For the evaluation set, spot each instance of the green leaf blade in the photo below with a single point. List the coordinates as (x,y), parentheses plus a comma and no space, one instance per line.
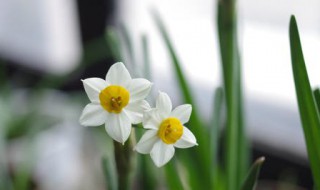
(236,153)
(251,179)
(307,106)
(316,94)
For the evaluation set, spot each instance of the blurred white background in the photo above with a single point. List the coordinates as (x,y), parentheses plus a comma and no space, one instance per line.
(42,34)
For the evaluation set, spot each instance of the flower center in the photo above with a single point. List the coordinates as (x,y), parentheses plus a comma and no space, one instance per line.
(170,130)
(114,98)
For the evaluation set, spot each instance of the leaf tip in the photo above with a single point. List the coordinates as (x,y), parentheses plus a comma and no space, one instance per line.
(293,22)
(260,160)
(292,19)
(293,31)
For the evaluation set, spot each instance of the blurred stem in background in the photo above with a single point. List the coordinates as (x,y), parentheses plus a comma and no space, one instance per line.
(236,141)
(129,46)
(113,42)
(2,74)
(146,58)
(23,173)
(5,181)
(4,83)
(214,134)
(109,170)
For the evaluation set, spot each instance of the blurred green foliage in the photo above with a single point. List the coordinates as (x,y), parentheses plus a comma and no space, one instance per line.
(236,154)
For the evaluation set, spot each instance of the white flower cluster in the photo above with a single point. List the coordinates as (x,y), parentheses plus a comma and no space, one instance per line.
(118,102)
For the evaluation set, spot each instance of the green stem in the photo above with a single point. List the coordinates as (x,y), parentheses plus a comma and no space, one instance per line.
(124,158)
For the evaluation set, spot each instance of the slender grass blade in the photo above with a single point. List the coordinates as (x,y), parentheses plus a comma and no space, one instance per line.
(307,104)
(251,179)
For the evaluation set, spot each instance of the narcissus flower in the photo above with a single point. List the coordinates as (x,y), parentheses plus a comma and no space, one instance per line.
(116,102)
(166,130)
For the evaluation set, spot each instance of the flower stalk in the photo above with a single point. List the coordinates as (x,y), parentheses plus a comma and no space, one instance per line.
(125,158)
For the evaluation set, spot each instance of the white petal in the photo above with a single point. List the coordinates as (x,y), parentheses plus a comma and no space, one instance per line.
(93,115)
(135,110)
(164,104)
(93,87)
(118,75)
(161,153)
(151,119)
(182,112)
(146,142)
(118,126)
(139,89)
(187,139)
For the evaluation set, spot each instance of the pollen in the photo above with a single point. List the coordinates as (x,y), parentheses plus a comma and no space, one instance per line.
(114,98)
(170,130)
